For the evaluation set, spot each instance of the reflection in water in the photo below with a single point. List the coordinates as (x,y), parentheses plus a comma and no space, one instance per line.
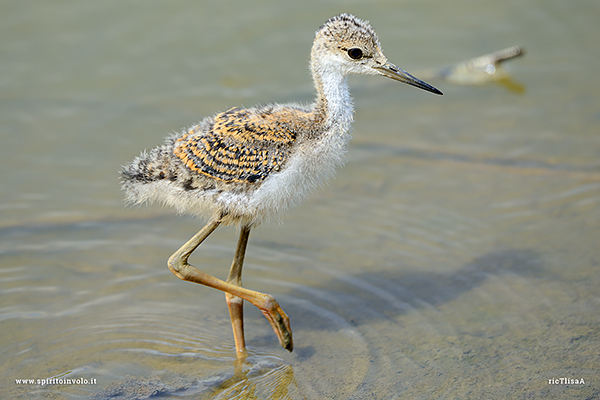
(266,381)
(257,378)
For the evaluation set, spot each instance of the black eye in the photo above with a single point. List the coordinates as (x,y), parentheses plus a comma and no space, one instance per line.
(355,53)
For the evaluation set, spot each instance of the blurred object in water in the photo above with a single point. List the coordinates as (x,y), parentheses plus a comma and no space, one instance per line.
(481,70)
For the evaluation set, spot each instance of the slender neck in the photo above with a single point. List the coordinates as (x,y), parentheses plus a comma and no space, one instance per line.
(333,106)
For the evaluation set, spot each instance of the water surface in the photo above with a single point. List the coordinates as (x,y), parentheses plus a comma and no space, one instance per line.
(455,255)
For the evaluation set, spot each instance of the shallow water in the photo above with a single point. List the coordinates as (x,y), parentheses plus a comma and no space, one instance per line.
(454,256)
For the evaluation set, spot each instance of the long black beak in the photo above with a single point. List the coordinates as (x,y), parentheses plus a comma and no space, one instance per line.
(398,74)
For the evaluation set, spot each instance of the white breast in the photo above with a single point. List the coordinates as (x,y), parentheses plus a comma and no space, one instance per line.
(313,161)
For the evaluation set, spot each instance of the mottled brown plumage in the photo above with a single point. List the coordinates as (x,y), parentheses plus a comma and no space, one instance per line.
(244,165)
(242,145)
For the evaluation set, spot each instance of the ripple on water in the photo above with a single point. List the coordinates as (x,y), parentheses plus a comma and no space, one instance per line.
(124,323)
(365,319)
(127,343)
(139,344)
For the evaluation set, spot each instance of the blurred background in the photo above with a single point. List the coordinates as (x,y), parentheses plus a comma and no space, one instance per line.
(455,255)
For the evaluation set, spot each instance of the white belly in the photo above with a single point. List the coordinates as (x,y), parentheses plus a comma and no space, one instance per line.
(312,163)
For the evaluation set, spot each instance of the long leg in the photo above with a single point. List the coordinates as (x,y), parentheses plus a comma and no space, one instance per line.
(234,303)
(178,264)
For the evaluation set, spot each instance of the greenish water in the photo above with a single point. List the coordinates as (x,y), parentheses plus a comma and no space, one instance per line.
(454,256)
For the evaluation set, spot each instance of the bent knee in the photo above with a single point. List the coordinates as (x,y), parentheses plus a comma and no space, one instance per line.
(176,265)
(269,303)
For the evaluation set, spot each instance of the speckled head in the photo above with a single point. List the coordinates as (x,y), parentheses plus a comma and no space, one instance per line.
(344,31)
(346,44)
